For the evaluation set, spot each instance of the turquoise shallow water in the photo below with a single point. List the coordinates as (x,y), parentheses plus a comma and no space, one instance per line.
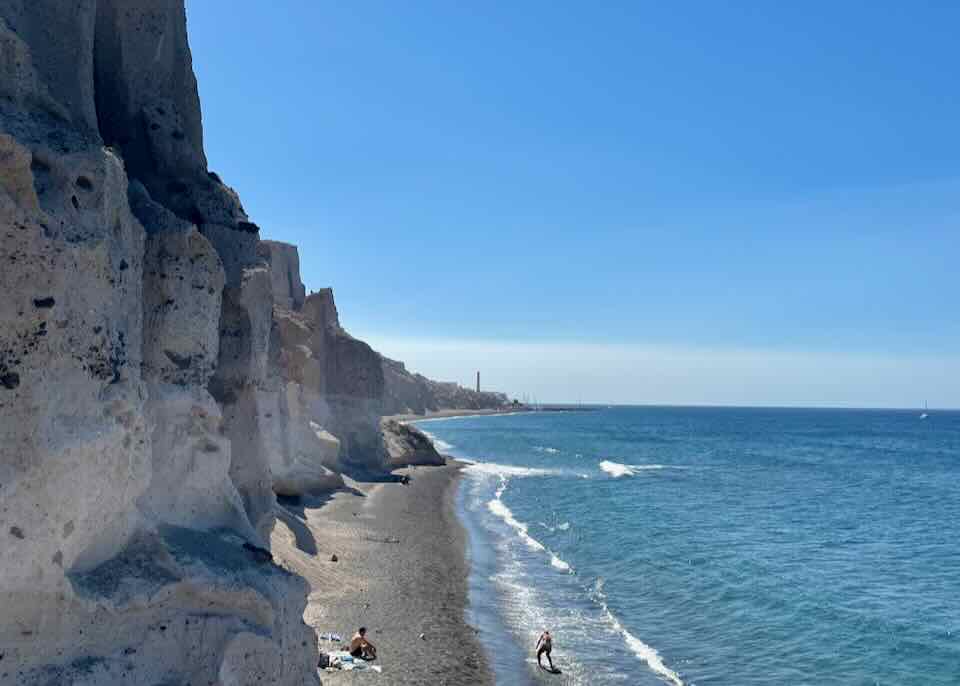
(716,546)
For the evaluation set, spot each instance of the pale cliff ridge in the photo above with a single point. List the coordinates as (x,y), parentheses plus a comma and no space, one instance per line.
(163,373)
(342,388)
(135,493)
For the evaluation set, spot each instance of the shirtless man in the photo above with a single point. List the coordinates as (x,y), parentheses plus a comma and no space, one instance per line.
(545,645)
(361,647)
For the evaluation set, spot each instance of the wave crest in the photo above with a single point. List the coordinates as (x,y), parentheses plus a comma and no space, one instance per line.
(617,469)
(509,470)
(500,509)
(643,651)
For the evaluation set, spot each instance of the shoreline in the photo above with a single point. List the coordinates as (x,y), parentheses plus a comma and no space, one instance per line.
(490,412)
(402,570)
(452,414)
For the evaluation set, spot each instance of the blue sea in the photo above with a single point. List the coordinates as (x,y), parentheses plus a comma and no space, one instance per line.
(705,546)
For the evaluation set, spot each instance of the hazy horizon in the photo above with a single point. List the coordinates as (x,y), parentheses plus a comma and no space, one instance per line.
(762,201)
(681,375)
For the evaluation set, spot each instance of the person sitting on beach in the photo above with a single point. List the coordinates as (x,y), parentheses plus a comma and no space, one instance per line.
(545,645)
(361,647)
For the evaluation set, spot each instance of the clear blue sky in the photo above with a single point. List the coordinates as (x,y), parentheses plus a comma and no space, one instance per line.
(638,182)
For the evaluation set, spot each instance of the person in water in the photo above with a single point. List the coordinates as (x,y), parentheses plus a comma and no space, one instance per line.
(545,645)
(361,647)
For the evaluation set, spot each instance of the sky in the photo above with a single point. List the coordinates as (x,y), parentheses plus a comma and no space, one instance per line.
(685,202)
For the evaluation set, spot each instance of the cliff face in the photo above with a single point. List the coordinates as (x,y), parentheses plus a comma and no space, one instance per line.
(134,337)
(325,388)
(342,388)
(162,373)
(407,393)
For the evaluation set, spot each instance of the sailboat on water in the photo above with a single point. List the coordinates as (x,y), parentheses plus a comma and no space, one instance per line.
(924,414)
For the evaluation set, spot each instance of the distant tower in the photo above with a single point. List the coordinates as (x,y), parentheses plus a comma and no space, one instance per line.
(478,382)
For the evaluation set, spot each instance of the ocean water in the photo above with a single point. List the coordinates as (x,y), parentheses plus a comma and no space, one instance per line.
(715,546)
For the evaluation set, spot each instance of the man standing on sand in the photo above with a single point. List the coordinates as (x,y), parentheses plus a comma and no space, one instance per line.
(545,645)
(361,647)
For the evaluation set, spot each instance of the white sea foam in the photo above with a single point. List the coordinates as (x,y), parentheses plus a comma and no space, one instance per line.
(617,469)
(438,443)
(499,508)
(507,470)
(643,651)
(546,449)
(559,527)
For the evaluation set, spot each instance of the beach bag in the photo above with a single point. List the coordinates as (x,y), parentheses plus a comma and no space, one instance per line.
(324,661)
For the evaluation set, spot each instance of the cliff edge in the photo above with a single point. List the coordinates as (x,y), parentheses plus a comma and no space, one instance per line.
(135,494)
(163,373)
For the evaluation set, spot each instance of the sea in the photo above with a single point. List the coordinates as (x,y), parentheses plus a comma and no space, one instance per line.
(696,546)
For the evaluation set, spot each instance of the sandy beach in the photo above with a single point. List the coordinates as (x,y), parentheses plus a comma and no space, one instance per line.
(401,571)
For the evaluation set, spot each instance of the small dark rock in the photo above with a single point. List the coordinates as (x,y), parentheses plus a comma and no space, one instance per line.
(10,380)
(334,558)
(44,303)
(261,555)
(16,532)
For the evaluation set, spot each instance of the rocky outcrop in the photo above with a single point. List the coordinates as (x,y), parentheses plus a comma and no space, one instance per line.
(135,484)
(406,445)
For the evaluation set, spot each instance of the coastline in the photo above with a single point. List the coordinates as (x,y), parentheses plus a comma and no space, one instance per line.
(500,411)
(401,570)
(451,414)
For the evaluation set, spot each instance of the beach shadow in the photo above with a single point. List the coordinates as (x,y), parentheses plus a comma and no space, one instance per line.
(367,477)
(292,511)
(296,522)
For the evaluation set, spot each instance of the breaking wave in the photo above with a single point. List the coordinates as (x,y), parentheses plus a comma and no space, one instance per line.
(617,469)
(500,509)
(508,470)
(643,651)
(438,443)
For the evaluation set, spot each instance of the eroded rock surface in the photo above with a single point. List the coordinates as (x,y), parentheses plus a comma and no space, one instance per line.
(135,491)
(326,387)
(163,373)
(407,445)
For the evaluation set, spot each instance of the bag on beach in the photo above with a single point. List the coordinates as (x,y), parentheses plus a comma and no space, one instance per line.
(324,661)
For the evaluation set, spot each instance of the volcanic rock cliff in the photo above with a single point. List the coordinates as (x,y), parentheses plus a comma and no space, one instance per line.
(162,372)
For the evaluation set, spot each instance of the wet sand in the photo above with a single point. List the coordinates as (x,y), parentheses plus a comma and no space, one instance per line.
(401,571)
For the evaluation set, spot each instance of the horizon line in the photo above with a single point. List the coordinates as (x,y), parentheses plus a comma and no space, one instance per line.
(746,406)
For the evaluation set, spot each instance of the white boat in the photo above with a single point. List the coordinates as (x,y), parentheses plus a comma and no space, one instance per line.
(924,414)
